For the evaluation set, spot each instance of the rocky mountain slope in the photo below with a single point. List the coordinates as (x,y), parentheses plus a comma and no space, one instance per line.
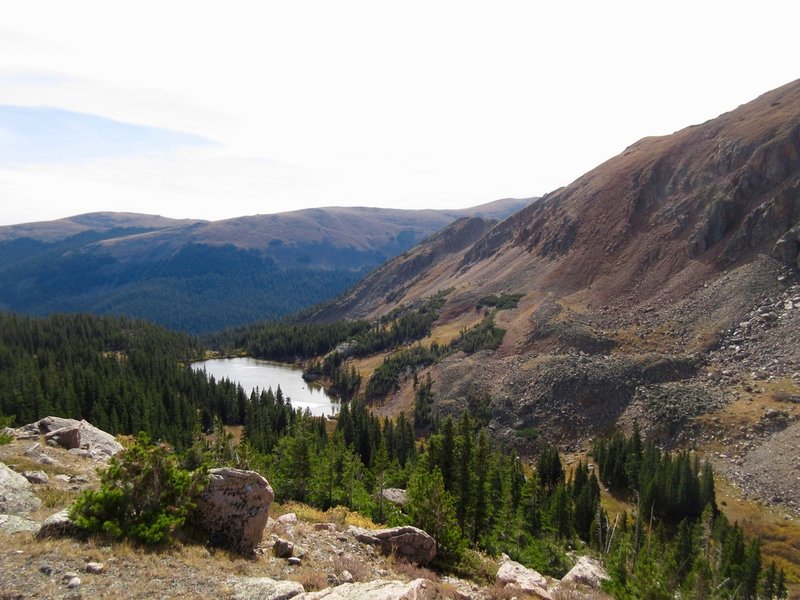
(199,275)
(658,288)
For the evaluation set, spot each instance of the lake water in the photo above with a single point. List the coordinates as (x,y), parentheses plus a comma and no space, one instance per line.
(263,374)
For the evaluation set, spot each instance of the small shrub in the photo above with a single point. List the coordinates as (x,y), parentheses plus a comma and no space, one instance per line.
(6,438)
(354,566)
(310,578)
(143,495)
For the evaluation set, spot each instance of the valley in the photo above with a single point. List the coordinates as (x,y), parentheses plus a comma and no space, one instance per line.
(622,351)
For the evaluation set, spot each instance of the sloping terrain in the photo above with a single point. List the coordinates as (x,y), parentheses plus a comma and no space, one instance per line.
(200,276)
(659,288)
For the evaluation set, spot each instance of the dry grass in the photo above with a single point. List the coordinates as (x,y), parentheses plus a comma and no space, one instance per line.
(310,578)
(367,365)
(352,565)
(410,571)
(339,515)
(780,538)
(53,497)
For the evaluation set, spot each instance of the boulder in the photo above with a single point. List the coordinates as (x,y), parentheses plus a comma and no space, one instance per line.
(73,434)
(395,496)
(409,543)
(419,589)
(513,574)
(586,571)
(66,437)
(283,548)
(57,525)
(16,495)
(287,519)
(15,524)
(234,508)
(36,476)
(264,588)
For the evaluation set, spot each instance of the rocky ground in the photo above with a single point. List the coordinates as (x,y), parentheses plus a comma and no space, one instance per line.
(304,553)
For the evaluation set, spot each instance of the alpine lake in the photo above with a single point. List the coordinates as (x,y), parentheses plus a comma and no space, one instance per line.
(253,373)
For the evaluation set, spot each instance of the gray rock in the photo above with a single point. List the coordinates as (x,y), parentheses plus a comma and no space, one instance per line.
(287,519)
(586,571)
(395,496)
(283,548)
(346,577)
(36,476)
(264,588)
(66,437)
(57,525)
(94,567)
(294,561)
(74,583)
(409,543)
(512,574)
(98,444)
(15,524)
(16,495)
(234,508)
(419,589)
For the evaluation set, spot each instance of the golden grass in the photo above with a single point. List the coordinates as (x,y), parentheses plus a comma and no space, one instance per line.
(55,498)
(780,538)
(339,515)
(365,366)
(312,579)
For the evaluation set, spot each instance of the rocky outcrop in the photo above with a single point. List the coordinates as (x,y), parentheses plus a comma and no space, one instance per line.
(15,524)
(16,495)
(419,589)
(395,496)
(264,588)
(234,508)
(514,575)
(588,572)
(71,434)
(409,543)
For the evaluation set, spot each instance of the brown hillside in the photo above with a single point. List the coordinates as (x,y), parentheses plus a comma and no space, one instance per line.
(659,288)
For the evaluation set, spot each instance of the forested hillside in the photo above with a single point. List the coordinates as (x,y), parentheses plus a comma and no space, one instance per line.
(202,276)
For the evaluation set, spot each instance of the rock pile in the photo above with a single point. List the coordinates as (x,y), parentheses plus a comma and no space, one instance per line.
(409,543)
(79,436)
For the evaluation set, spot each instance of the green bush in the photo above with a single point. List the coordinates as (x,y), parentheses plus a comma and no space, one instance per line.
(144,495)
(6,422)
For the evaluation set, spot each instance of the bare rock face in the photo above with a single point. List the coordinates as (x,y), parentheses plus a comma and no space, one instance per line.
(16,495)
(264,588)
(410,543)
(234,508)
(73,435)
(419,589)
(395,496)
(66,437)
(586,571)
(15,524)
(514,575)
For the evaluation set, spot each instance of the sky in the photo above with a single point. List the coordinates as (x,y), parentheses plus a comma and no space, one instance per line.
(215,110)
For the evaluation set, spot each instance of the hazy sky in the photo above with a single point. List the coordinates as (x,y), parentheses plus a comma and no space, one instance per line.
(221,109)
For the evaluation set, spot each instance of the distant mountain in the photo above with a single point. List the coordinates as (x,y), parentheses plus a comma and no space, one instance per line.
(199,276)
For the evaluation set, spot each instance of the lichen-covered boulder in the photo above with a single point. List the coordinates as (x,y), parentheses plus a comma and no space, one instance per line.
(73,434)
(16,493)
(514,575)
(265,588)
(588,572)
(409,543)
(418,589)
(234,508)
